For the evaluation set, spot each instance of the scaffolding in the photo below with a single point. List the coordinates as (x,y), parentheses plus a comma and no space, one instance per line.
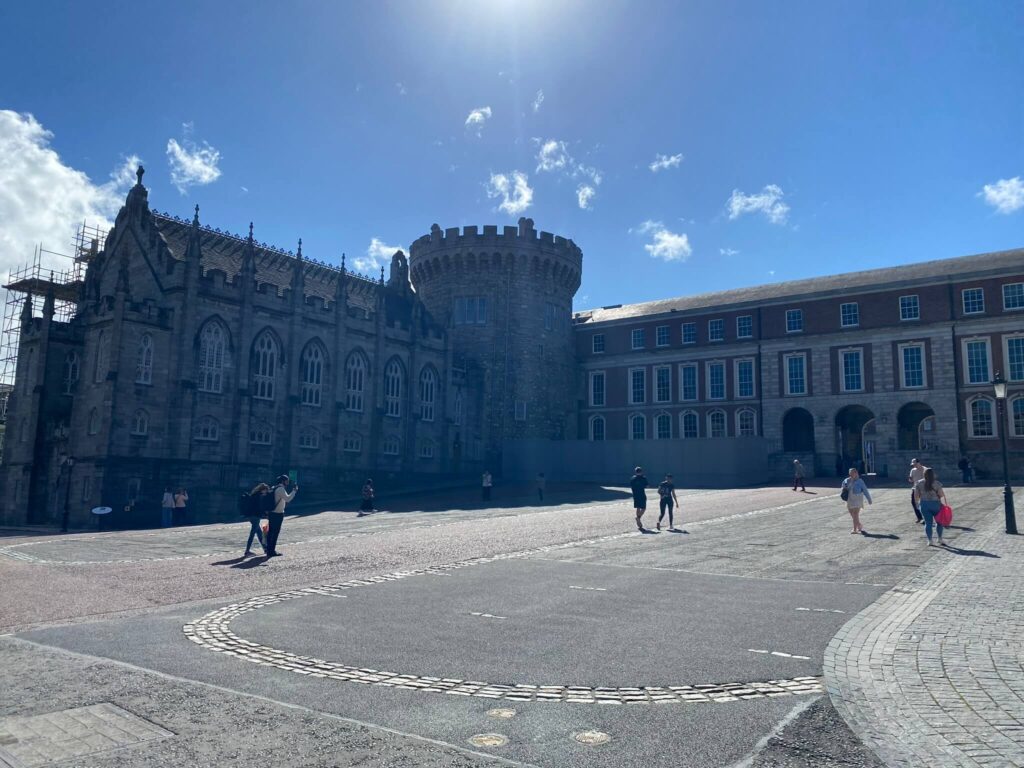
(35,280)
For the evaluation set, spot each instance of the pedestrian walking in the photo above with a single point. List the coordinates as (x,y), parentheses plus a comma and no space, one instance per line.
(638,484)
(366,506)
(275,519)
(486,483)
(931,496)
(667,501)
(255,504)
(167,508)
(917,470)
(798,475)
(542,484)
(181,507)
(854,492)
(970,469)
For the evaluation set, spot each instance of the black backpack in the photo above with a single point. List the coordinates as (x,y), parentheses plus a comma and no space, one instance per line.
(247,505)
(265,501)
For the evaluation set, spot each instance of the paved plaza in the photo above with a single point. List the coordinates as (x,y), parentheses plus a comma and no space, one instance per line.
(758,632)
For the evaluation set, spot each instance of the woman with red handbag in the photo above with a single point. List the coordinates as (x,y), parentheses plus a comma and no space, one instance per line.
(931,498)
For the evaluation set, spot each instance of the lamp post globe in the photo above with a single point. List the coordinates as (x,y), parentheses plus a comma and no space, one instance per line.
(999,388)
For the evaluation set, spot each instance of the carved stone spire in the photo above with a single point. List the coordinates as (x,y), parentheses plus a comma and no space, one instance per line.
(249,257)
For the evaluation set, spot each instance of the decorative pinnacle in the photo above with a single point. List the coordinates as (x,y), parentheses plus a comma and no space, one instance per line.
(195,219)
(299,254)
(138,173)
(342,261)
(382,274)
(250,231)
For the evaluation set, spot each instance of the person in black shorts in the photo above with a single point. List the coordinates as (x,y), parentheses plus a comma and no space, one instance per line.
(666,501)
(639,487)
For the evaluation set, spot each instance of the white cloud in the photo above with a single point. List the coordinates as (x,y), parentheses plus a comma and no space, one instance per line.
(584,194)
(400,87)
(377,254)
(768,201)
(666,245)
(727,252)
(664,162)
(1006,195)
(553,156)
(42,200)
(538,101)
(191,165)
(477,118)
(245,190)
(513,189)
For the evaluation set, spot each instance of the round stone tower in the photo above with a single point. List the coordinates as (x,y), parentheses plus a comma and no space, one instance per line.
(506,299)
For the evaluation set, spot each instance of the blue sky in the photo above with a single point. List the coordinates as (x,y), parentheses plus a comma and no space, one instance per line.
(795,139)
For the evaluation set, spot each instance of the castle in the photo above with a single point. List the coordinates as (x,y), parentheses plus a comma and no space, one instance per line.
(193,357)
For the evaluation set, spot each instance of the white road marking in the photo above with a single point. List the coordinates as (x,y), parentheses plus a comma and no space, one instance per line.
(589,589)
(486,615)
(821,610)
(778,653)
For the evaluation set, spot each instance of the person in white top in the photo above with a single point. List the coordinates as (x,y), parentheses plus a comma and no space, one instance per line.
(276,518)
(486,483)
(181,507)
(167,508)
(916,475)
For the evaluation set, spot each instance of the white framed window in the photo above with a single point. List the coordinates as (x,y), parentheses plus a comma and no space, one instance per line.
(744,327)
(470,310)
(796,373)
(102,362)
(912,367)
(661,336)
(597,343)
(716,381)
(213,357)
(94,424)
(309,438)
(716,330)
(910,307)
(260,433)
(264,366)
(72,368)
(973,300)
(981,423)
(637,427)
(637,338)
(597,425)
(426,449)
(1017,416)
(849,314)
(352,443)
(689,333)
(689,425)
(637,385)
(520,410)
(393,375)
(311,375)
(428,393)
(716,424)
(392,445)
(597,388)
(207,429)
(663,384)
(851,368)
(663,426)
(1013,354)
(688,382)
(355,381)
(977,353)
(140,423)
(794,320)
(144,360)
(1013,296)
(746,423)
(744,378)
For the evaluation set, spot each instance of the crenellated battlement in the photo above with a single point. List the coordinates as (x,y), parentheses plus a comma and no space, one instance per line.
(491,238)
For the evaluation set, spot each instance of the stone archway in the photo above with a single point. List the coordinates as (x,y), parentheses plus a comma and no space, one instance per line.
(913,423)
(798,431)
(855,442)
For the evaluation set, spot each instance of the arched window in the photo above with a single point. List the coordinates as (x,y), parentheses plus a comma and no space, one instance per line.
(1017,416)
(663,426)
(457,409)
(597,428)
(689,425)
(392,445)
(428,393)
(144,360)
(982,424)
(746,423)
(309,438)
(213,357)
(352,443)
(264,366)
(94,421)
(637,427)
(311,370)
(260,433)
(716,424)
(102,362)
(393,388)
(140,423)
(355,381)
(207,428)
(426,449)
(71,369)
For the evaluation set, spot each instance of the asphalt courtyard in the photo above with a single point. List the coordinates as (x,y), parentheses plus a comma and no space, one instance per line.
(546,635)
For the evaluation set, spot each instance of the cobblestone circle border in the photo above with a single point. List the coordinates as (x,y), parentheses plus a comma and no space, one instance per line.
(212,632)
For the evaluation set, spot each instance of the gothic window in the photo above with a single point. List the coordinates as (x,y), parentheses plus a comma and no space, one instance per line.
(311,367)
(309,438)
(213,357)
(144,362)
(352,443)
(746,423)
(392,445)
(355,381)
(393,388)
(597,428)
(260,433)
(72,365)
(716,424)
(428,391)
(264,366)
(94,421)
(426,449)
(140,423)
(102,357)
(208,429)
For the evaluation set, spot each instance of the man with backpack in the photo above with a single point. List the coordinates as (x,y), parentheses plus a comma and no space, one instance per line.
(275,518)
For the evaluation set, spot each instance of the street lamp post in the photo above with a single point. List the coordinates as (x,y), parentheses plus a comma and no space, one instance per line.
(999,384)
(69,462)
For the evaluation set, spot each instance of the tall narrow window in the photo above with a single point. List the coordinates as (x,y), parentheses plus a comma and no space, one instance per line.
(72,366)
(912,366)
(852,368)
(1017,416)
(597,343)
(637,385)
(144,360)
(796,375)
(716,424)
(393,388)
(663,426)
(637,338)
(689,425)
(688,381)
(264,366)
(355,381)
(213,357)
(661,336)
(597,428)
(637,427)
(716,381)
(982,424)
(1015,358)
(977,361)
(94,422)
(744,378)
(428,393)
(311,371)
(663,384)
(746,423)
(140,423)
(597,388)
(102,363)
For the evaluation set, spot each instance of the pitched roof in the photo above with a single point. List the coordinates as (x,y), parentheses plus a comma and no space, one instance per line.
(888,277)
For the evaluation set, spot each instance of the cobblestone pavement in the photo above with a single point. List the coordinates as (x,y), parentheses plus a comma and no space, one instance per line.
(932,674)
